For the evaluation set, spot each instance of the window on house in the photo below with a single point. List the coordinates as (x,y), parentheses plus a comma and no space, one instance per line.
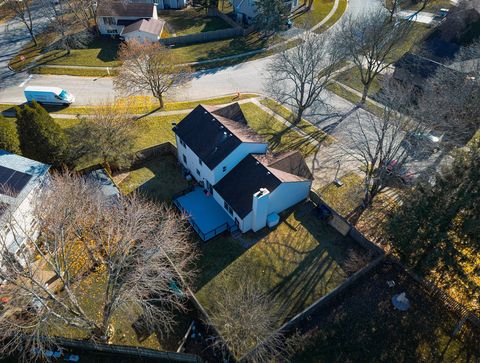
(224,169)
(109,20)
(112,31)
(228,208)
(198,172)
(184,159)
(200,161)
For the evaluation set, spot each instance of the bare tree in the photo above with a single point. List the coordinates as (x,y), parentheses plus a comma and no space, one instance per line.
(370,41)
(395,6)
(149,67)
(72,32)
(450,99)
(378,145)
(23,11)
(108,135)
(124,254)
(296,77)
(247,322)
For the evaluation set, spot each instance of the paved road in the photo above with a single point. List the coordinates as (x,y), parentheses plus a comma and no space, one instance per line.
(245,77)
(13,36)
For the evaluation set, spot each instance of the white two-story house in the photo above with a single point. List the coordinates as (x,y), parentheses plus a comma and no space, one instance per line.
(114,17)
(232,163)
(21,182)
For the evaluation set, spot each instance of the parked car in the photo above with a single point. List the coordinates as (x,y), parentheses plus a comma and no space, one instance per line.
(399,172)
(48,95)
(421,142)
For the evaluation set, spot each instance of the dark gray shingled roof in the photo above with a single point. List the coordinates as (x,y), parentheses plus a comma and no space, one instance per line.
(211,136)
(244,180)
(260,171)
(140,10)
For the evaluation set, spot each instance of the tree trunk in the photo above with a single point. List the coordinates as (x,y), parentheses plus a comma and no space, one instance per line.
(160,100)
(366,88)
(34,38)
(299,115)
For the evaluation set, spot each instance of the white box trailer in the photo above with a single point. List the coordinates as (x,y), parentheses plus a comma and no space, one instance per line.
(48,95)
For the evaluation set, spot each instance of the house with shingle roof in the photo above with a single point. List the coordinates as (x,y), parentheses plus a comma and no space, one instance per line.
(21,183)
(232,164)
(114,17)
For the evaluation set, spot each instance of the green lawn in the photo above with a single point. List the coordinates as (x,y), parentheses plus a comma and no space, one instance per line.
(145,104)
(296,263)
(318,12)
(279,136)
(346,198)
(159,178)
(91,290)
(342,6)
(351,78)
(102,52)
(303,125)
(191,21)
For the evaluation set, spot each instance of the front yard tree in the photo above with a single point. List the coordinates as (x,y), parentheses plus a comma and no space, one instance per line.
(110,264)
(450,101)
(41,138)
(296,77)
(8,136)
(370,41)
(149,67)
(23,11)
(72,32)
(377,144)
(271,15)
(107,135)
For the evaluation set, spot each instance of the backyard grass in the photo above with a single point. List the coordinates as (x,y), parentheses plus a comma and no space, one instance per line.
(303,125)
(362,326)
(346,198)
(91,290)
(191,21)
(296,263)
(159,179)
(279,136)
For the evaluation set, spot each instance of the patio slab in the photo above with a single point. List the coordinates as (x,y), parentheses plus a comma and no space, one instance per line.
(207,217)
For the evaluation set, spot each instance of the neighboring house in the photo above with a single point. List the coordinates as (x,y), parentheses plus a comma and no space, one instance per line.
(108,188)
(144,30)
(114,17)
(171,4)
(232,163)
(165,4)
(246,11)
(21,181)
(415,70)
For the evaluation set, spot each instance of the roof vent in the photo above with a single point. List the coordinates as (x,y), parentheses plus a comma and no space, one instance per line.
(258,162)
(268,173)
